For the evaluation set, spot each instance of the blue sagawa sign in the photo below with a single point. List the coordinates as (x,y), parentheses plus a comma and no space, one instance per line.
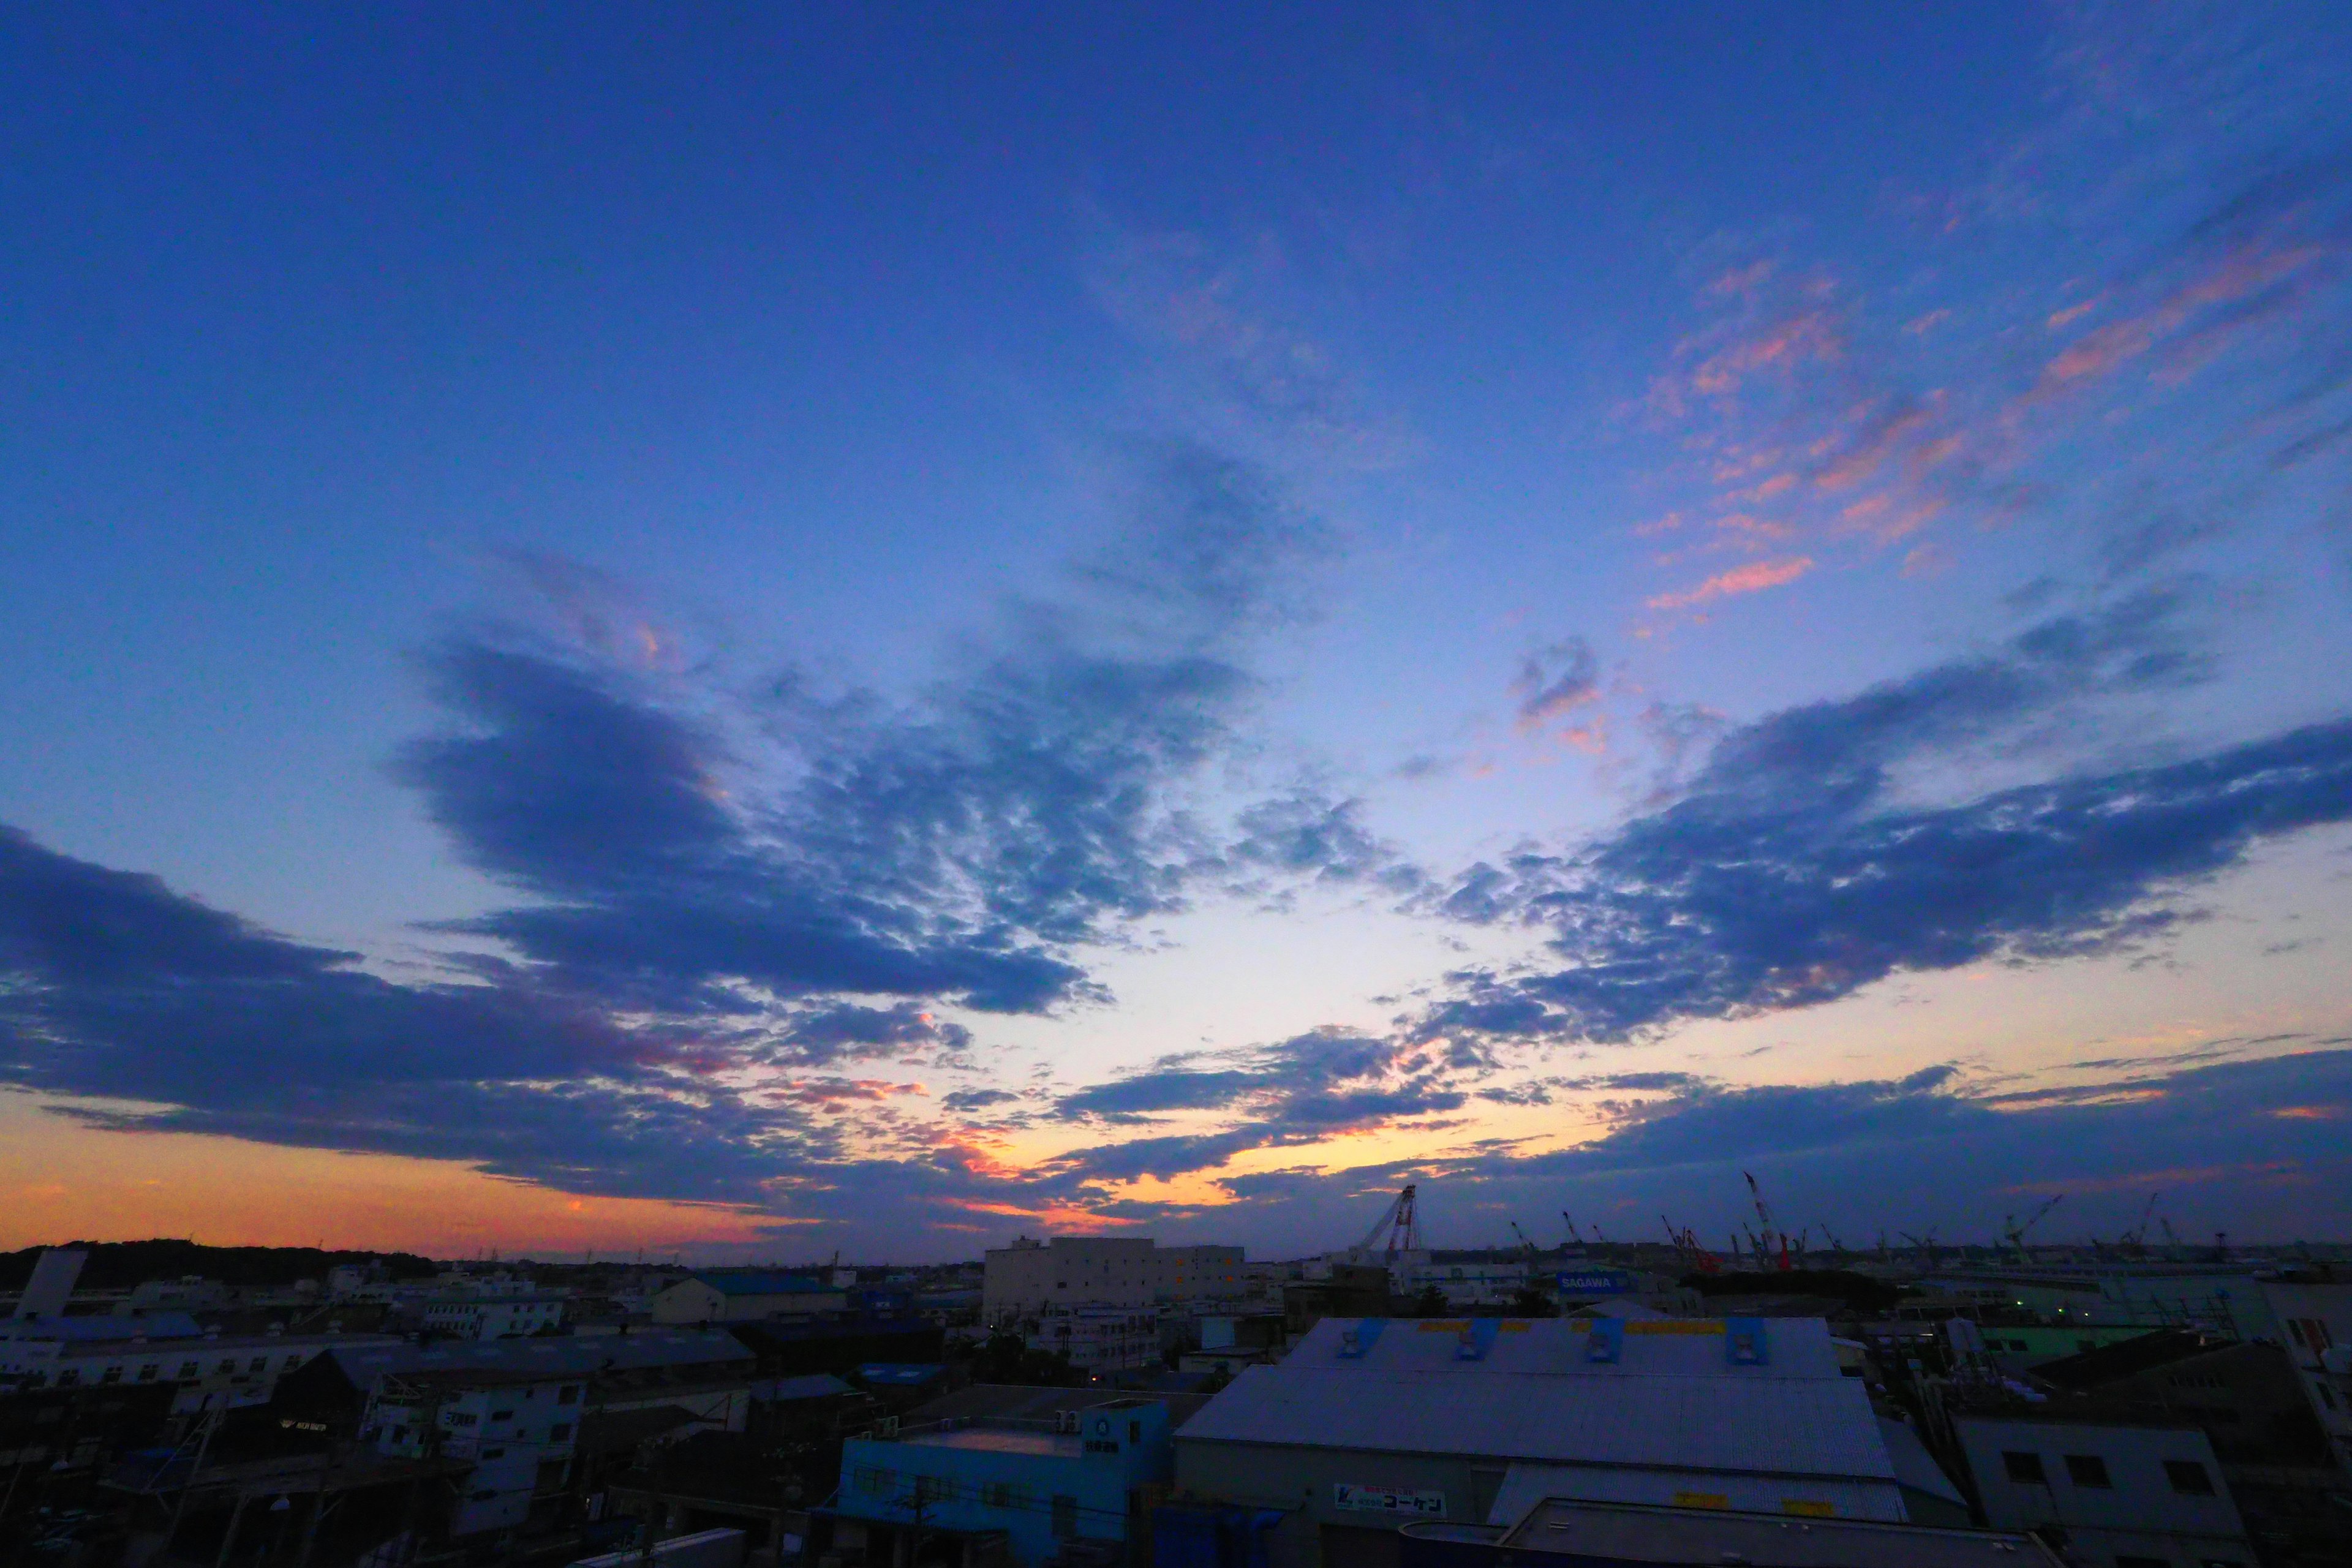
(1596,1282)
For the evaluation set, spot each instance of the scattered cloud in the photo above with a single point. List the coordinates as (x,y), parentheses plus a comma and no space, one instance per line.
(1754,578)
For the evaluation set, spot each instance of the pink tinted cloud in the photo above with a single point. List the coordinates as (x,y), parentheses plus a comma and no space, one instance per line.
(1753,578)
(2103,350)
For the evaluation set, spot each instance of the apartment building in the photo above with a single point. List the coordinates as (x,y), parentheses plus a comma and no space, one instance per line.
(1029,1275)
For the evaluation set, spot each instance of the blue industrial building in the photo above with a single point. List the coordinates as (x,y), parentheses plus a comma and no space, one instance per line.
(1001,1488)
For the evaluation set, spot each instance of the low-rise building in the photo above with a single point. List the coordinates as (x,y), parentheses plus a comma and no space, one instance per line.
(1040,1486)
(1369,1423)
(498,1317)
(708,1376)
(745,1295)
(1098,1339)
(209,1371)
(2313,1312)
(1024,1279)
(2124,1496)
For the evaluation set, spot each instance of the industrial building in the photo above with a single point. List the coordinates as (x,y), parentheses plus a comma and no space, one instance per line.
(1373,1421)
(1028,1277)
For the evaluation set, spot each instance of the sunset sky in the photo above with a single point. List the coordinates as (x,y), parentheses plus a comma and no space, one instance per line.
(754,633)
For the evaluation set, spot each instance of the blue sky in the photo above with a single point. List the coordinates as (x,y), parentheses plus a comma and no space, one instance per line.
(759,633)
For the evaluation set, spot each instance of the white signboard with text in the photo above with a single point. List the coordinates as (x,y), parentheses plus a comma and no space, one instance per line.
(1388,1499)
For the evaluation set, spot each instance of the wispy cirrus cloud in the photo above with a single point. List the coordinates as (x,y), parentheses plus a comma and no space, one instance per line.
(1753,578)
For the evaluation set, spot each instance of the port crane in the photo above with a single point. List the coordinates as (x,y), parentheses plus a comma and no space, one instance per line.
(2135,1241)
(1764,1218)
(1398,1229)
(2014,1233)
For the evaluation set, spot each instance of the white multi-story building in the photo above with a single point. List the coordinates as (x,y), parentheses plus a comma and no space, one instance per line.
(494,1317)
(1028,1277)
(519,1431)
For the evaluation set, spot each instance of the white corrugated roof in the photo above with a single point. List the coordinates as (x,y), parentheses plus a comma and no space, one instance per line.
(1795,1347)
(1671,1400)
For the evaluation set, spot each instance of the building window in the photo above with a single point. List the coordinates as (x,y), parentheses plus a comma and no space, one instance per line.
(2023,1468)
(147,1374)
(2188,1478)
(2087,1470)
(292,1362)
(111,1374)
(568,1395)
(1066,1517)
(559,1433)
(260,1364)
(226,1368)
(996,1494)
(871,1479)
(68,1377)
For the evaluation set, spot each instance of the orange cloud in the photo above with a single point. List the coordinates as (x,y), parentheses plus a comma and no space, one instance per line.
(1919,326)
(1750,579)
(2309,1113)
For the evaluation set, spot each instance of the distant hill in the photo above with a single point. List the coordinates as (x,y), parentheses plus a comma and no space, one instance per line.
(119,1265)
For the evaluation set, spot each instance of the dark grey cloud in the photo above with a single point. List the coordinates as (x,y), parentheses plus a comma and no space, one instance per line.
(1554,681)
(978,1098)
(1795,870)
(844,1030)
(959,847)
(1307,837)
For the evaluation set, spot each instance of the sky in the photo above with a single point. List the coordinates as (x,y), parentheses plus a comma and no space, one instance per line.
(752,634)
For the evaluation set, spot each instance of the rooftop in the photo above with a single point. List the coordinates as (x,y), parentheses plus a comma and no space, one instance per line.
(999,1401)
(759,1282)
(1632,1532)
(996,1439)
(1792,1349)
(1671,1400)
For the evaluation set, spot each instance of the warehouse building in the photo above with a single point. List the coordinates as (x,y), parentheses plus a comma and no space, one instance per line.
(745,1296)
(1373,1423)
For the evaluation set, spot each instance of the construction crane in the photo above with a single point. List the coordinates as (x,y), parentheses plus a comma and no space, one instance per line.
(2014,1233)
(1764,1218)
(2136,1239)
(1398,1229)
(1923,1246)
(1575,1237)
(1686,1242)
(1837,1247)
(2171,1242)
